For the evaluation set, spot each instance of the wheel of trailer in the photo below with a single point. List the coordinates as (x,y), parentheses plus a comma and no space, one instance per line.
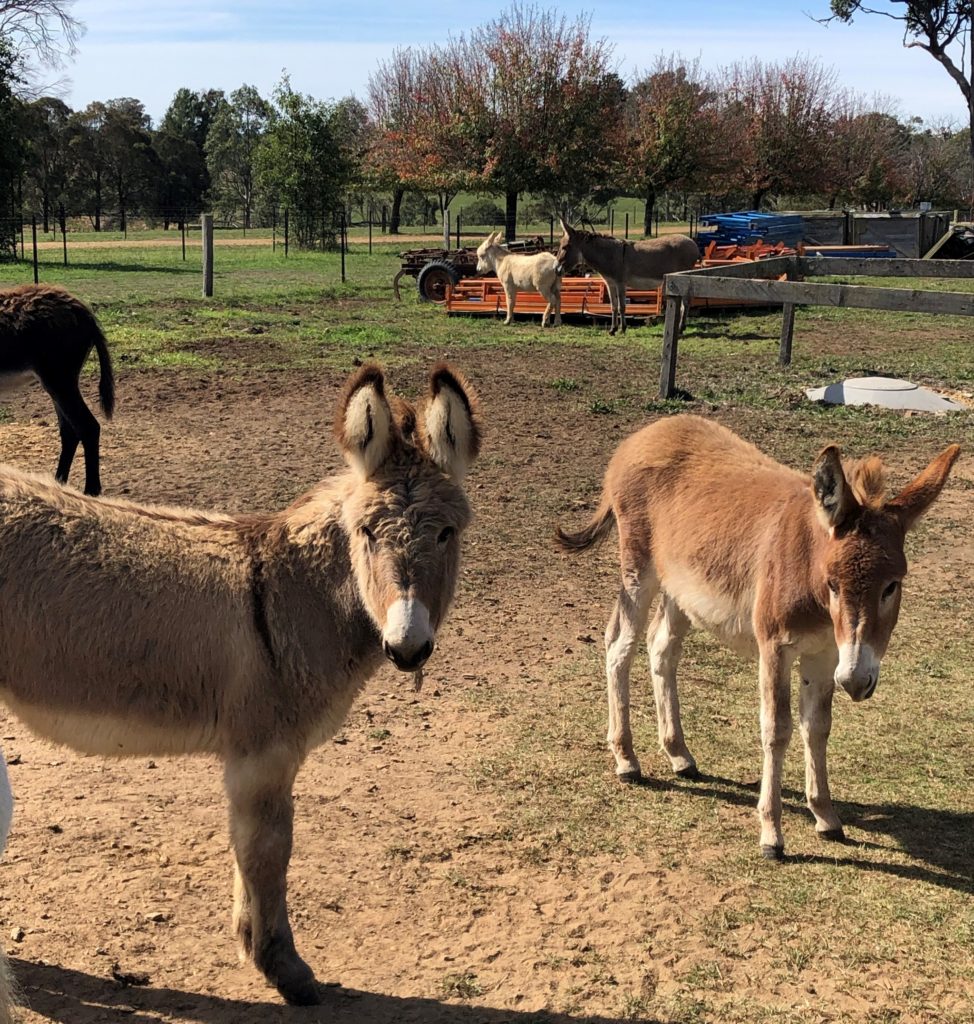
(433,280)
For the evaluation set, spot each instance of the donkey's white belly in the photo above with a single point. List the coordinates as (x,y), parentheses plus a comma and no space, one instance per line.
(727,616)
(110,736)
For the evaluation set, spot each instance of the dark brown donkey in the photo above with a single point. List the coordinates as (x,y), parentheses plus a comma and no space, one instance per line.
(46,331)
(625,265)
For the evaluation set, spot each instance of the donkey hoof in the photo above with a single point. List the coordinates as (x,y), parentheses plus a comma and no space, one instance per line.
(691,772)
(772,852)
(833,835)
(630,778)
(300,991)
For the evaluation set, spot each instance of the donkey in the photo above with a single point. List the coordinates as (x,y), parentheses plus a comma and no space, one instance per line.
(624,264)
(46,331)
(772,562)
(515,270)
(153,630)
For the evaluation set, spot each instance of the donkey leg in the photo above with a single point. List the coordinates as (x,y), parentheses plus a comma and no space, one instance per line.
(621,637)
(613,305)
(69,445)
(666,633)
(72,407)
(510,294)
(261,821)
(776,726)
(815,717)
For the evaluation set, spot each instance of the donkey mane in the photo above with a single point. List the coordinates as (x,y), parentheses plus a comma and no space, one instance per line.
(867,478)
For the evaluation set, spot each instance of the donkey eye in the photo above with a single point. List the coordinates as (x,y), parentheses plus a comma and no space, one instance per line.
(890,590)
(367,534)
(834,587)
(445,534)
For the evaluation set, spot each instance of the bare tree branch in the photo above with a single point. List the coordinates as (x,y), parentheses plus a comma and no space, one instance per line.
(43,29)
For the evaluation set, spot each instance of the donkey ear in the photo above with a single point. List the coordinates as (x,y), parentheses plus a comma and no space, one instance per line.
(451,426)
(835,503)
(566,227)
(921,492)
(364,425)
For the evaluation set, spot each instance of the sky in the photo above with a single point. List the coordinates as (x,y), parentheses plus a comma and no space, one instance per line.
(150,49)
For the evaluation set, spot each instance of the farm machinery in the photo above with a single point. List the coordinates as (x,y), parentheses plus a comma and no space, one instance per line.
(436,270)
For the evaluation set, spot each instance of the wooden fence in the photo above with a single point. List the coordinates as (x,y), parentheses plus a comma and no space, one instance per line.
(759,282)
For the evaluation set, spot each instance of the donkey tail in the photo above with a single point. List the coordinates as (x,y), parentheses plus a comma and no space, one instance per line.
(106,385)
(597,529)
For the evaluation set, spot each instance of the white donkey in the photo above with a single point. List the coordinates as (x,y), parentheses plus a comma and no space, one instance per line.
(517,271)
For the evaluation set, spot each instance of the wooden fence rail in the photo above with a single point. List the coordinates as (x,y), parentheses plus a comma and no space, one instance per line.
(757,282)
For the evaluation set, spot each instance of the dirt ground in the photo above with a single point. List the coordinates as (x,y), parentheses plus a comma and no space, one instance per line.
(121,868)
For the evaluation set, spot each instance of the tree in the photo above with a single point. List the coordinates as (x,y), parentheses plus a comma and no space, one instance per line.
(231,146)
(88,159)
(945,30)
(779,116)
(44,31)
(301,163)
(11,148)
(131,163)
(671,131)
(864,156)
(421,137)
(180,144)
(48,129)
(544,104)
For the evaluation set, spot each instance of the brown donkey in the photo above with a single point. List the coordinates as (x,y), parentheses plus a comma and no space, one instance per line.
(773,562)
(48,332)
(624,264)
(137,630)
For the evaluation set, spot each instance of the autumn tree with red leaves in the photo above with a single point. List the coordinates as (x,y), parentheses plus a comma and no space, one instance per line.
(671,131)
(777,118)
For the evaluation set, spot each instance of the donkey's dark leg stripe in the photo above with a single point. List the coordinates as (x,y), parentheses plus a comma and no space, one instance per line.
(257,594)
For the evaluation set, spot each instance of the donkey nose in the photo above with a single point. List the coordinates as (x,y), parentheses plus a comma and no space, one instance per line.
(408,660)
(861,688)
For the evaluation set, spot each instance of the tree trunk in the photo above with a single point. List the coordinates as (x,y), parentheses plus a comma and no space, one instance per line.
(397,193)
(756,197)
(510,216)
(650,206)
(45,210)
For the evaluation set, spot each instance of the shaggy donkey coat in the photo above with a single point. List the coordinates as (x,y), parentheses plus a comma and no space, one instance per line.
(774,563)
(517,271)
(48,332)
(137,630)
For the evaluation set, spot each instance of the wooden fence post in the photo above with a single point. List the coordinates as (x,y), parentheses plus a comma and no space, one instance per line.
(207,231)
(787,331)
(671,335)
(33,232)
(64,231)
(287,236)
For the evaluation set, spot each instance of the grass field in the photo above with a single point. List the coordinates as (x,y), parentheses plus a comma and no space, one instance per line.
(878,931)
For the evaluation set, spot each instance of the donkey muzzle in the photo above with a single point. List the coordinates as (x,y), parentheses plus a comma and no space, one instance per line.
(858,671)
(408,661)
(407,640)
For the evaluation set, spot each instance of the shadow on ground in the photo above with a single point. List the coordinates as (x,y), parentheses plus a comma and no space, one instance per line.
(74,997)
